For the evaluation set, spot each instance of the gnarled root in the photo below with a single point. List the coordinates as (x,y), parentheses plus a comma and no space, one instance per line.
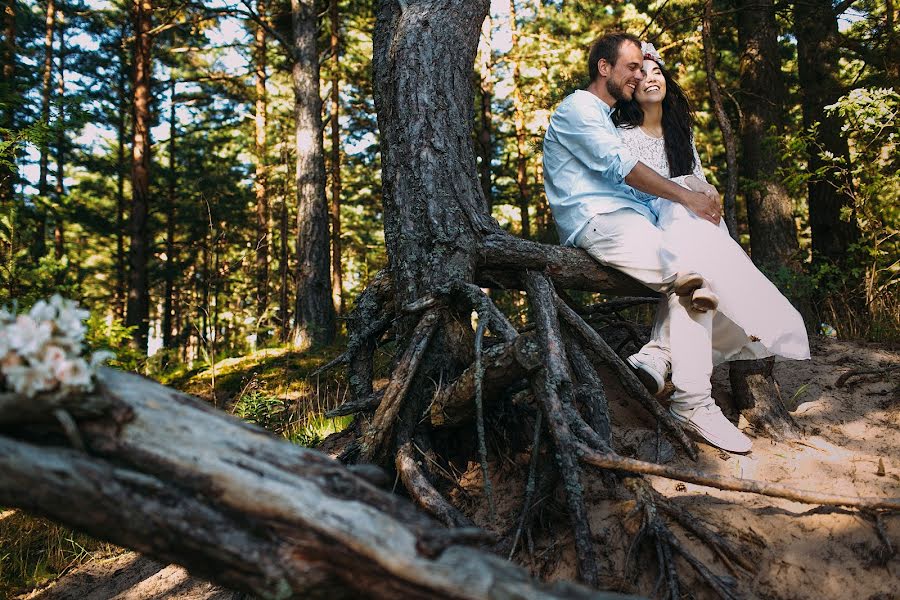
(756,394)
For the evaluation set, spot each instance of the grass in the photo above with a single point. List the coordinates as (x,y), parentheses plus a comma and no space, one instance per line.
(272,388)
(34,551)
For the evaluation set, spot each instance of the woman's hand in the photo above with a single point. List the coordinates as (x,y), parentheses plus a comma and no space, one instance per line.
(705,206)
(698,185)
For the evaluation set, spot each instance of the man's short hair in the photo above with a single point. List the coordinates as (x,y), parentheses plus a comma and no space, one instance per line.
(607,47)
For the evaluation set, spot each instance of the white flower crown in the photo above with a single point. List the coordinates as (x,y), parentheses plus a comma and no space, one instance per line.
(650,53)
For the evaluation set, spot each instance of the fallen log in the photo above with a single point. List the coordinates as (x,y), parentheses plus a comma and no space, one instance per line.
(169,476)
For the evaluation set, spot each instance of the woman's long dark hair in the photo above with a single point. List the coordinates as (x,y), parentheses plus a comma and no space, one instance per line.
(677,123)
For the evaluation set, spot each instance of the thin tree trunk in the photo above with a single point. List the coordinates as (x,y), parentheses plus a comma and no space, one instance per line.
(283,292)
(815,26)
(773,235)
(138,314)
(40,245)
(314,318)
(337,275)
(519,118)
(169,268)
(121,258)
(715,96)
(486,98)
(8,60)
(260,183)
(59,231)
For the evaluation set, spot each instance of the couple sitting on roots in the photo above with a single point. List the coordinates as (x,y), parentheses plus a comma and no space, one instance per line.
(624,182)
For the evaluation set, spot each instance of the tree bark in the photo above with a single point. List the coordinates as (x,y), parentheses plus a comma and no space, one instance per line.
(485,113)
(138,314)
(238,506)
(260,182)
(59,229)
(337,276)
(715,96)
(8,59)
(816,28)
(519,119)
(435,187)
(119,300)
(171,204)
(773,235)
(40,246)
(314,318)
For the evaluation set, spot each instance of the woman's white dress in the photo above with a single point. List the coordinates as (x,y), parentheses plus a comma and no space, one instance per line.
(754,320)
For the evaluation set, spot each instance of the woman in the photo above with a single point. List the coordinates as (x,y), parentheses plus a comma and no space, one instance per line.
(754,320)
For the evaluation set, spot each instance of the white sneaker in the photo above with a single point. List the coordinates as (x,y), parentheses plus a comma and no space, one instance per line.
(650,370)
(709,423)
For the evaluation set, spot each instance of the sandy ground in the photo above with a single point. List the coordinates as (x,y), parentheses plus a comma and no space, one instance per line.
(798,551)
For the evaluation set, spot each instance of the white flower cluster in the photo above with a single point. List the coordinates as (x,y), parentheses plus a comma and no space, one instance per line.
(41,351)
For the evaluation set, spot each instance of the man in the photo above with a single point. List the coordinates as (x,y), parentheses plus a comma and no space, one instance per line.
(599,193)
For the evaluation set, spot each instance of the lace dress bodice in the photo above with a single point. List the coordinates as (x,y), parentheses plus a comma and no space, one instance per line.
(652,152)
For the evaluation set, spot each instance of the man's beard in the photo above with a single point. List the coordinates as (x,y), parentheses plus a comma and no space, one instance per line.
(616,91)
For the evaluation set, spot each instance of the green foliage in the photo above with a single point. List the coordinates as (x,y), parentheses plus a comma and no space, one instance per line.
(110,333)
(13,142)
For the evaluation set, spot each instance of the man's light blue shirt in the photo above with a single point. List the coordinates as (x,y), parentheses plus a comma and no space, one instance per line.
(585,165)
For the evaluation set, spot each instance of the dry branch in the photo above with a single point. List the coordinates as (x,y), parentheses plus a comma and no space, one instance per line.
(609,460)
(171,477)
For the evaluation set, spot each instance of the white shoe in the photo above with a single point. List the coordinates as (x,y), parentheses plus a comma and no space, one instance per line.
(709,423)
(650,370)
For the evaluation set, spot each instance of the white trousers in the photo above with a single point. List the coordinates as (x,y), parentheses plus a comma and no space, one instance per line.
(626,241)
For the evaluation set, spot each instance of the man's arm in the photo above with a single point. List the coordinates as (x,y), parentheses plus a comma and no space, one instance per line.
(647,180)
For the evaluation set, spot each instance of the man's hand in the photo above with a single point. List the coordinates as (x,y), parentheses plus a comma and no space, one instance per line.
(704,205)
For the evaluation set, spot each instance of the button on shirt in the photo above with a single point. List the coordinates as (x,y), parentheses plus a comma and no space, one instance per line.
(585,165)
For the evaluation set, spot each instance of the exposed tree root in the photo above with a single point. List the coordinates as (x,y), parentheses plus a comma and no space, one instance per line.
(845,377)
(423,493)
(756,394)
(735,484)
(596,344)
(377,437)
(553,389)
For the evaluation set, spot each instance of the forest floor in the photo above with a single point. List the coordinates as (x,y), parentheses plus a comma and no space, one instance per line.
(851,446)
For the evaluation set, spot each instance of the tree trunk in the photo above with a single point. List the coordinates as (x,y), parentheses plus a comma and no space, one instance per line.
(337,276)
(773,235)
(816,28)
(138,314)
(314,318)
(59,230)
(283,292)
(519,118)
(715,96)
(8,59)
(121,258)
(169,269)
(485,112)
(40,246)
(260,182)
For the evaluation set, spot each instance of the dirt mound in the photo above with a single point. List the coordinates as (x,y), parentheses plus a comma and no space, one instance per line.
(847,400)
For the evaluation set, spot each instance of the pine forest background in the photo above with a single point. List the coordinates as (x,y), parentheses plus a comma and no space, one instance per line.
(204,176)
